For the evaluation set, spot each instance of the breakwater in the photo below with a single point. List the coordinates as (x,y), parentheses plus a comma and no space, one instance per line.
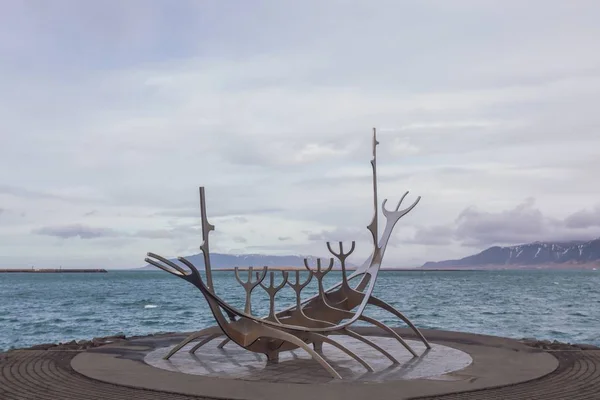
(53,270)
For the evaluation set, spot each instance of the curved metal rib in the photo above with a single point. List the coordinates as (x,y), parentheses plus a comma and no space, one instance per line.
(204,341)
(322,338)
(298,316)
(207,331)
(363,339)
(341,314)
(385,306)
(390,331)
(278,334)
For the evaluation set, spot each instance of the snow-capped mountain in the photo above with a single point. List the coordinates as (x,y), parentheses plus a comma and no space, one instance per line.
(575,252)
(255,260)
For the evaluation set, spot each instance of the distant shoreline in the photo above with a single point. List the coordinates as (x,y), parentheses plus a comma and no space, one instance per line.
(483,269)
(53,270)
(353,269)
(258,269)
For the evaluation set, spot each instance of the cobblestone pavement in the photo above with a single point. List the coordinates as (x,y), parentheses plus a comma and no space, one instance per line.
(576,378)
(47,375)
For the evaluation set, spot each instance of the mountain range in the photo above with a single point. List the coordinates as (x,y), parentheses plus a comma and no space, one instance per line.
(533,255)
(220,261)
(553,254)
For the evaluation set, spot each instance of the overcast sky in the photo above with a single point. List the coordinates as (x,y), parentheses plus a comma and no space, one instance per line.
(112,113)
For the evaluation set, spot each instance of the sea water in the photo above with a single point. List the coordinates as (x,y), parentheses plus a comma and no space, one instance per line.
(49,308)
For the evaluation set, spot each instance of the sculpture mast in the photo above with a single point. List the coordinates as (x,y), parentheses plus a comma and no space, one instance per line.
(373,226)
(206,228)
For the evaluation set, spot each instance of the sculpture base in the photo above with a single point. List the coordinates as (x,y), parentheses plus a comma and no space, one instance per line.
(457,362)
(233,362)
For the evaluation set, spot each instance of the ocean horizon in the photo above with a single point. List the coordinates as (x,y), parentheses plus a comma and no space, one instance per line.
(542,304)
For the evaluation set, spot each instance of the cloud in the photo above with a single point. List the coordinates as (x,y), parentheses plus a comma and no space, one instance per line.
(22,192)
(156,233)
(339,234)
(73,231)
(403,147)
(445,125)
(239,239)
(76,194)
(584,218)
(284,238)
(235,213)
(126,113)
(522,224)
(440,235)
(316,151)
(89,232)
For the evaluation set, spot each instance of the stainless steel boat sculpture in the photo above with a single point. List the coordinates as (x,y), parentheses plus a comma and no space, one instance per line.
(312,321)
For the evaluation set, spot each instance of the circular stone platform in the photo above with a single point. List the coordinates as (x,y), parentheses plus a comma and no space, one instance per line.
(233,362)
(458,362)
